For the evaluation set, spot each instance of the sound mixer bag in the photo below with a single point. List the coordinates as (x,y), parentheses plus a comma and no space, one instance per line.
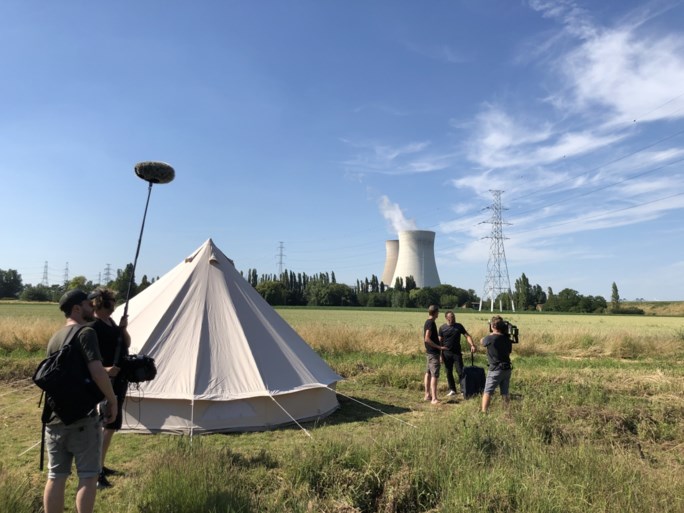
(70,392)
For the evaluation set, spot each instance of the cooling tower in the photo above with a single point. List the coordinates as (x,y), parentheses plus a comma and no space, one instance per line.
(417,258)
(392,251)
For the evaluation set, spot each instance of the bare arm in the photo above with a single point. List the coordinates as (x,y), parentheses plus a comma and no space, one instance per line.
(123,324)
(472,344)
(429,341)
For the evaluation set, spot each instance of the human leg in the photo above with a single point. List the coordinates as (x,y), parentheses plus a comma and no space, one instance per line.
(102,481)
(492,382)
(53,495)
(449,366)
(486,398)
(426,383)
(433,388)
(505,386)
(59,467)
(432,376)
(108,431)
(85,495)
(107,435)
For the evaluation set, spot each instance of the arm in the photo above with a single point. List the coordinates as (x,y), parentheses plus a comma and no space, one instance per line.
(101,378)
(126,337)
(472,344)
(429,341)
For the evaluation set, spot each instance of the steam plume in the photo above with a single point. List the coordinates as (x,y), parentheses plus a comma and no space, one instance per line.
(392,212)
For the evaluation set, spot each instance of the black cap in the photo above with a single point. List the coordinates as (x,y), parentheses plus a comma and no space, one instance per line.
(94,294)
(72,298)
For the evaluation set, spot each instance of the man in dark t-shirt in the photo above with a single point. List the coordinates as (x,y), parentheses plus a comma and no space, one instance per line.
(80,441)
(433,350)
(450,335)
(499,347)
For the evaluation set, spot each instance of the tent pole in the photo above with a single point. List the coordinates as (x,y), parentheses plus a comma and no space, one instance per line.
(192,417)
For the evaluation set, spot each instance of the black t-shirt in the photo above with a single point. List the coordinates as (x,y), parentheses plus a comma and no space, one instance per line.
(499,349)
(451,336)
(431,326)
(108,337)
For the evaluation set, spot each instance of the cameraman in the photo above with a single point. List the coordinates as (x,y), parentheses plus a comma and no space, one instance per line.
(114,343)
(499,347)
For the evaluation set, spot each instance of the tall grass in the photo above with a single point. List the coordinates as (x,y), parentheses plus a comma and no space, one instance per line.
(27,326)
(579,342)
(17,492)
(189,478)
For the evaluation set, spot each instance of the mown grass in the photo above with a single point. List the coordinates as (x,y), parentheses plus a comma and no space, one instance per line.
(588,430)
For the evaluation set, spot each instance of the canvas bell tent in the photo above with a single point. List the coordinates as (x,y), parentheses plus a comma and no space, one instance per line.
(226,360)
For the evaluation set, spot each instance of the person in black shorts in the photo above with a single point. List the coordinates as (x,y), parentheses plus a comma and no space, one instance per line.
(450,336)
(432,349)
(114,343)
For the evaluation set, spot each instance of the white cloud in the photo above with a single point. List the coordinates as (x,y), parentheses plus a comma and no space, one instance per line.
(499,141)
(410,158)
(634,78)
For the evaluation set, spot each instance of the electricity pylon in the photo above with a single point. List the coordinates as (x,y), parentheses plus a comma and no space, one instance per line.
(497,283)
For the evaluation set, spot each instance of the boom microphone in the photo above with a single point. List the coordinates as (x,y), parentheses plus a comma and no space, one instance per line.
(151,172)
(155,172)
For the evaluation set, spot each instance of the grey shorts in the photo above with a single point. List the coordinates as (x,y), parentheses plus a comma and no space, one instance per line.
(498,378)
(433,365)
(80,442)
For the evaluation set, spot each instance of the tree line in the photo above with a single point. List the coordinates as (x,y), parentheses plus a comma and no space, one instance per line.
(12,287)
(322,289)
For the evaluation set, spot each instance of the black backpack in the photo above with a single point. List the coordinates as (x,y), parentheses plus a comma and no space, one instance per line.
(70,392)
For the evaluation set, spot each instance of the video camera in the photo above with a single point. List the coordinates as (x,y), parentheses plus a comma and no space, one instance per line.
(510,330)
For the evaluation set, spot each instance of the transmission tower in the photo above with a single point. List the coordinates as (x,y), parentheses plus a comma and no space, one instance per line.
(107,274)
(497,283)
(45,282)
(280,256)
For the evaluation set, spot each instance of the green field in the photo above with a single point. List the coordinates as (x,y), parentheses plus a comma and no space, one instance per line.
(596,424)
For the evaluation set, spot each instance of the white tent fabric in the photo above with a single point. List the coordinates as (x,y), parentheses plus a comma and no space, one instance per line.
(226,360)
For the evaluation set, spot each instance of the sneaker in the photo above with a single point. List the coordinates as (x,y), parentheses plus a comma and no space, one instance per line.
(110,471)
(103,482)
(451,392)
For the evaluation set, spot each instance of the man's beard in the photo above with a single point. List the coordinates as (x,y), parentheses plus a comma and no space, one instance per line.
(88,317)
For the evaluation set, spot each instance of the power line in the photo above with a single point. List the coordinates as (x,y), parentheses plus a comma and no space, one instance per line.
(603,187)
(603,214)
(606,164)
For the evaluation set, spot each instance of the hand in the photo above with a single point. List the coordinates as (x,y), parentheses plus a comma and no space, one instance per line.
(110,411)
(113,371)
(472,348)
(123,323)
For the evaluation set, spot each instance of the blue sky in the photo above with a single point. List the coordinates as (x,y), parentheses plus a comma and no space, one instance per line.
(330,125)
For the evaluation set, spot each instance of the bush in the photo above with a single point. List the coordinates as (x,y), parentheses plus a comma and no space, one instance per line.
(628,310)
